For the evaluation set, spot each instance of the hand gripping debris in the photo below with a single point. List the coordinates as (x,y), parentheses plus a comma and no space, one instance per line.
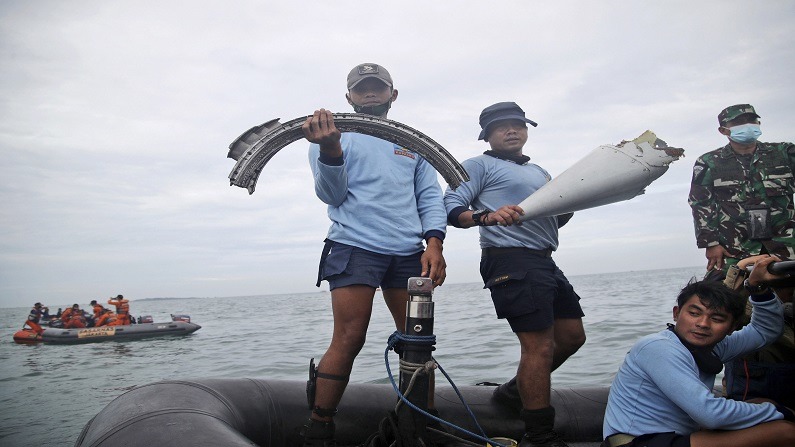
(609,174)
(255,147)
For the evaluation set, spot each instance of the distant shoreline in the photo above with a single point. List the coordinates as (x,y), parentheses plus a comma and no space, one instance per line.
(54,308)
(479,283)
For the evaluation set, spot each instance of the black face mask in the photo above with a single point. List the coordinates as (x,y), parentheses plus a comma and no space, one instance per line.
(518,159)
(706,360)
(378,110)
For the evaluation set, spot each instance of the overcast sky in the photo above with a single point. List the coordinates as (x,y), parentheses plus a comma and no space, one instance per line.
(116,119)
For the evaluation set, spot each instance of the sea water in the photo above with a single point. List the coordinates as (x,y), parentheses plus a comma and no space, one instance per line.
(49,392)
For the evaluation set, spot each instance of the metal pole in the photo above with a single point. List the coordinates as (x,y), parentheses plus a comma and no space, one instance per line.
(419,322)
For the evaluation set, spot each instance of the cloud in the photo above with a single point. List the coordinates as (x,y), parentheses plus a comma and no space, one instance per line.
(116,119)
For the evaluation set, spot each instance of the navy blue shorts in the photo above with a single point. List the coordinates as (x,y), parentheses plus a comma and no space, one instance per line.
(346,265)
(670,439)
(529,290)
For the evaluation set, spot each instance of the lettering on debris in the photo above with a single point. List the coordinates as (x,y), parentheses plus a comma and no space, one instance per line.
(104,331)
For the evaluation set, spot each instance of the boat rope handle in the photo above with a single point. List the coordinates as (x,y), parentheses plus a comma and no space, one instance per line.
(397,337)
(417,368)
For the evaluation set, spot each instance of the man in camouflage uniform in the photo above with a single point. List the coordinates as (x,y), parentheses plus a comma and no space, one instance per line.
(742,194)
(742,201)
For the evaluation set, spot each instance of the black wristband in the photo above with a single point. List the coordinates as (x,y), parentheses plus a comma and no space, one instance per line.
(479,217)
(754,290)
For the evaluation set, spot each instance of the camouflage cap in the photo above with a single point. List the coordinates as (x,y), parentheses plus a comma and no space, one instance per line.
(732,112)
(364,71)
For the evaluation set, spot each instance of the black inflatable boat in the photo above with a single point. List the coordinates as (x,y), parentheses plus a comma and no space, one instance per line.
(270,413)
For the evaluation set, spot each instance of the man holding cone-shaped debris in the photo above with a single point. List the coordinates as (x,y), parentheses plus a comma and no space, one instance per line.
(516,265)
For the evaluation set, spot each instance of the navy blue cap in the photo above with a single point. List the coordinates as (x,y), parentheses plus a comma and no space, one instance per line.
(500,112)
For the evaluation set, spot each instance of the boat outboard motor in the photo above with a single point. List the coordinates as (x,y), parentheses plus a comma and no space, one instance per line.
(416,362)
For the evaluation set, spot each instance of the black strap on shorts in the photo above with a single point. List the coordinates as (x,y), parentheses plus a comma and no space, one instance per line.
(501,251)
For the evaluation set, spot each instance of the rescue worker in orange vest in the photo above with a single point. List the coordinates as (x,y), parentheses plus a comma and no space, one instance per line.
(65,315)
(34,317)
(73,318)
(108,318)
(98,309)
(122,308)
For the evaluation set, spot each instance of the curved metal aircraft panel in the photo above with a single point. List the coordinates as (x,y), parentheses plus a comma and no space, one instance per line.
(255,147)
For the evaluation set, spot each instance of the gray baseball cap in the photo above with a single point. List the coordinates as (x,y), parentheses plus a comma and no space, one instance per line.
(364,71)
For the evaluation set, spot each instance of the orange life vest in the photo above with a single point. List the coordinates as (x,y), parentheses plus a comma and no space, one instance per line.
(122,308)
(66,314)
(108,319)
(77,320)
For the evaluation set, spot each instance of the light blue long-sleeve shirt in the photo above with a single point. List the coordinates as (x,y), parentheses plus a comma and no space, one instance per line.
(493,183)
(381,197)
(660,389)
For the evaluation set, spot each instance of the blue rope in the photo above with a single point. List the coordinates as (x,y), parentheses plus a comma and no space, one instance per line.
(396,337)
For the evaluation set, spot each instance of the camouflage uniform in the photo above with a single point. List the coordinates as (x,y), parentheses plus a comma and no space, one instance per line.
(721,192)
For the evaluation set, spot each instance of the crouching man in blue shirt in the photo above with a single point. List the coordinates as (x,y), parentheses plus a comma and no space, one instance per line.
(662,395)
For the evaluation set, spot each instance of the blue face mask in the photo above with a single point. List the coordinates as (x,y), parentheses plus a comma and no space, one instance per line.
(745,133)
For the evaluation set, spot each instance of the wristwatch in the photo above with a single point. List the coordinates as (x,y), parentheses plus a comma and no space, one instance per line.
(479,215)
(754,290)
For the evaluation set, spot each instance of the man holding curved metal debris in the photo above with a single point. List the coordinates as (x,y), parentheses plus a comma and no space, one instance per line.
(526,286)
(384,201)
(742,194)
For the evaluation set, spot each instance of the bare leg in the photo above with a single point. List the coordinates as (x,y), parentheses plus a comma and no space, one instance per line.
(396,300)
(535,367)
(352,307)
(769,434)
(569,337)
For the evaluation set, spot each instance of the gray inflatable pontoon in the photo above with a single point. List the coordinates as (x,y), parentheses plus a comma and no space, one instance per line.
(270,413)
(106,333)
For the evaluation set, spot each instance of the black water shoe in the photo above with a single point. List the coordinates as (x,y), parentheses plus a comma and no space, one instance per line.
(549,439)
(539,424)
(436,433)
(318,434)
(508,394)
